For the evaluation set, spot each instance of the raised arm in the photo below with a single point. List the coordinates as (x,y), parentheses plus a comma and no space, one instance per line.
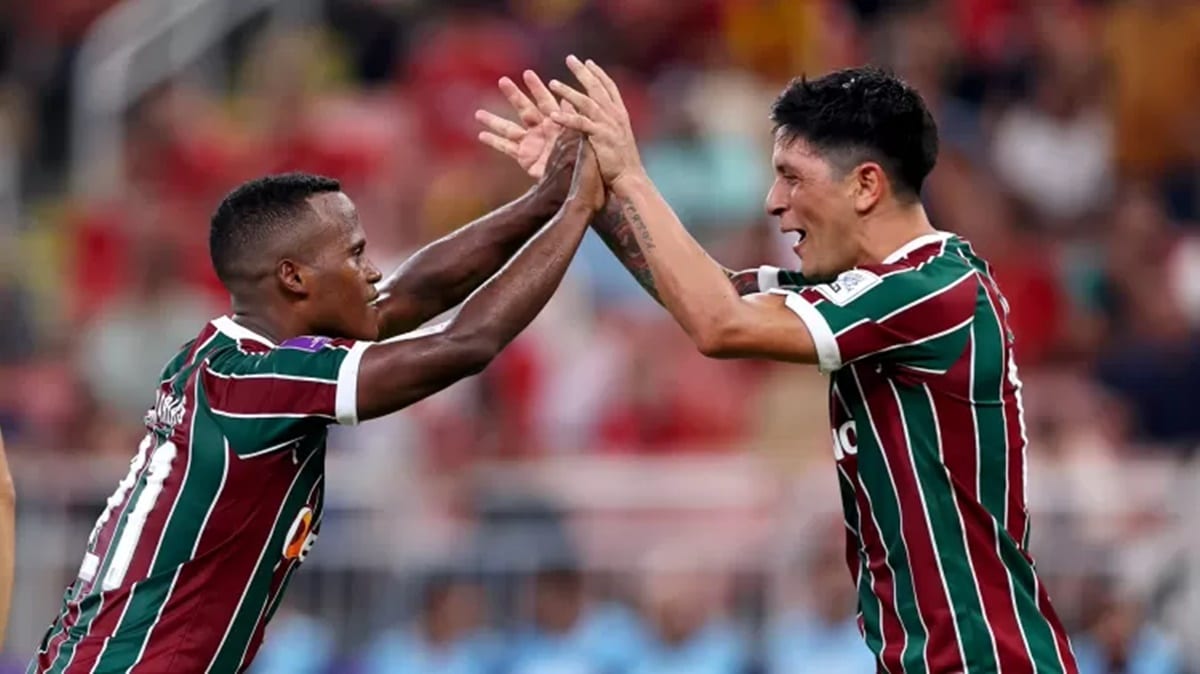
(8,553)
(443,273)
(400,371)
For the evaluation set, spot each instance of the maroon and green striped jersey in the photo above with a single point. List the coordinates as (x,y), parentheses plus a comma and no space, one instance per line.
(222,502)
(925,406)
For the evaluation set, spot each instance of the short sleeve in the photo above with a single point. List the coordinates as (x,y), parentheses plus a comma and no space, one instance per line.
(918,317)
(268,398)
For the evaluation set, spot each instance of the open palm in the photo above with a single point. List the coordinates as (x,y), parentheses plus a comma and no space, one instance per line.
(530,142)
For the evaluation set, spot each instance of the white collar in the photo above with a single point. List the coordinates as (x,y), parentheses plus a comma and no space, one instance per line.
(238,331)
(919,242)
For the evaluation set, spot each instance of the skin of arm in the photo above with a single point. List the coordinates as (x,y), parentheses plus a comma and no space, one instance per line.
(398,372)
(443,273)
(8,500)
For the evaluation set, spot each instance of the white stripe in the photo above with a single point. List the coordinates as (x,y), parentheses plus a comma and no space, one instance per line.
(899,511)
(919,242)
(268,450)
(261,554)
(346,406)
(768,278)
(277,415)
(270,375)
(961,524)
(930,296)
(161,462)
(829,357)
(873,581)
(238,332)
(912,458)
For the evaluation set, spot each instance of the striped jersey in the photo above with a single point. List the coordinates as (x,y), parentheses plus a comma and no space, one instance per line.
(222,502)
(925,407)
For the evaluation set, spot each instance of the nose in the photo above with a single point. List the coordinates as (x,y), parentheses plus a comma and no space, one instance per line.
(373,274)
(776,202)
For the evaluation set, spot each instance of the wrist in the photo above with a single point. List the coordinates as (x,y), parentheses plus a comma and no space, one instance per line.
(630,182)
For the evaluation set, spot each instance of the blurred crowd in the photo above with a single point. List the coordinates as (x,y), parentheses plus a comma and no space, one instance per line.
(1070,158)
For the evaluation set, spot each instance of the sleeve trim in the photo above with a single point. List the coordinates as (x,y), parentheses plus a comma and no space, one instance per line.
(346,406)
(768,278)
(829,357)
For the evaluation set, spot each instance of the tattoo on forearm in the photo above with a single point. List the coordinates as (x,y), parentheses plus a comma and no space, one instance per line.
(639,225)
(745,282)
(615,229)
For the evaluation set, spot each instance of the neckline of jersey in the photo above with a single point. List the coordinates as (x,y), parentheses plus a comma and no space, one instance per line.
(237,331)
(919,242)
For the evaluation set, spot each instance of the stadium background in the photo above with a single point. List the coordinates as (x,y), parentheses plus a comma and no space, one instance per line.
(604,499)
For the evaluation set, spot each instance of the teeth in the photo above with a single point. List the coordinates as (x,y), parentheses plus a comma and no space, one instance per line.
(803,235)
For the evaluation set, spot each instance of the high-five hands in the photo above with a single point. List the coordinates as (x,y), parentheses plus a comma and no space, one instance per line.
(602,116)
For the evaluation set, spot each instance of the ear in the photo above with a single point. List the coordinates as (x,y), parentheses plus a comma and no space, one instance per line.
(868,186)
(293,277)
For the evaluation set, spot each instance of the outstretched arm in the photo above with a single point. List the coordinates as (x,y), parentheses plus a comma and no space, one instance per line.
(400,371)
(443,273)
(8,498)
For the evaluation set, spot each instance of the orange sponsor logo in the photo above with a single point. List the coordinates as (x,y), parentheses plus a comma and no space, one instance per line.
(300,537)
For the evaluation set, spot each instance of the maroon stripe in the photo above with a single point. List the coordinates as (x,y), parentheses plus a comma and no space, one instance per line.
(103,625)
(208,331)
(932,602)
(270,395)
(56,642)
(883,580)
(207,590)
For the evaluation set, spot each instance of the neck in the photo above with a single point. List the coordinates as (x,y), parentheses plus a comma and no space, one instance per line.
(886,232)
(270,322)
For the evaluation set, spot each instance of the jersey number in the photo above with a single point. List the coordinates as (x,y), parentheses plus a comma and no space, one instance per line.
(122,549)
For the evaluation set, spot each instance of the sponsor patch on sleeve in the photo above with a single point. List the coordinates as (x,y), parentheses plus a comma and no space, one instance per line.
(848,286)
(310,344)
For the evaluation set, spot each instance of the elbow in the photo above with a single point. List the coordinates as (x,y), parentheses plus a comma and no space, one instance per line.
(716,339)
(475,351)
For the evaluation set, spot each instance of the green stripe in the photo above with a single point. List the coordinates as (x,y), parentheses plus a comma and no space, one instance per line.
(206,470)
(254,600)
(949,538)
(939,353)
(876,478)
(1038,635)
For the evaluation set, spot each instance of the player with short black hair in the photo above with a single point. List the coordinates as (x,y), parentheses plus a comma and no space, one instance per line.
(925,400)
(223,501)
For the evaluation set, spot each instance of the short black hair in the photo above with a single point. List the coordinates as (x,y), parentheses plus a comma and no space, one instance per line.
(862,114)
(256,211)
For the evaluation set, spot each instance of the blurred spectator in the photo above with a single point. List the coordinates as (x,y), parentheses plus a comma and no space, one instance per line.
(817,628)
(446,637)
(295,643)
(690,631)
(569,634)
(1118,639)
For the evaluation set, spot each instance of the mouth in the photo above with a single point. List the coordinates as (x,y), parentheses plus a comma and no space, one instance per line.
(800,241)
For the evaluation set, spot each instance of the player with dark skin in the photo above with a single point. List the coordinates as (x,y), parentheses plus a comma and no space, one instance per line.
(320,282)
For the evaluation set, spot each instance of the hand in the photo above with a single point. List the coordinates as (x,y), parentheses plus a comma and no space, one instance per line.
(600,114)
(530,142)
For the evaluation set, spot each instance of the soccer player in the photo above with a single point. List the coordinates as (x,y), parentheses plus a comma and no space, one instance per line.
(223,501)
(925,400)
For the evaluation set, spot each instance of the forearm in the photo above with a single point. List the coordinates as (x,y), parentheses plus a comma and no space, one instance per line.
(614,229)
(691,285)
(443,273)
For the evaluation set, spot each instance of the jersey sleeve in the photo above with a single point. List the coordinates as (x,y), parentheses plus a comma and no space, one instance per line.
(773,278)
(917,317)
(267,399)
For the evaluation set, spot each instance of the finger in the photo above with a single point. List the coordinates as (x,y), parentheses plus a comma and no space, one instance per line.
(567,107)
(572,120)
(609,85)
(583,105)
(544,99)
(500,126)
(497,143)
(592,85)
(525,107)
